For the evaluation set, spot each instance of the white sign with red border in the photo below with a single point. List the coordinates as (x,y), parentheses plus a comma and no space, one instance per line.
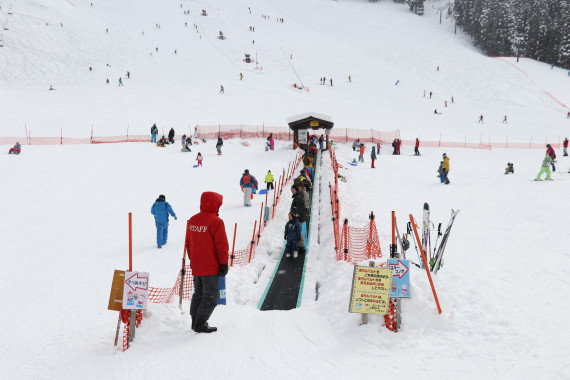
(135,293)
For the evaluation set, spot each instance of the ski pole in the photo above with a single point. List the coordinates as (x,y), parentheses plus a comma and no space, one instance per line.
(438,235)
(415,244)
(183,270)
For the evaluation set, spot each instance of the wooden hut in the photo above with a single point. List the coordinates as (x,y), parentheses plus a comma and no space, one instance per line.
(306,122)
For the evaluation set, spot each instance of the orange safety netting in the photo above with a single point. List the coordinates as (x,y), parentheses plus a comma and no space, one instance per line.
(352,244)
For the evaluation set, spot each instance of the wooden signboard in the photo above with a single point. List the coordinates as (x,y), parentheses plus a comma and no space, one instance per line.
(116,297)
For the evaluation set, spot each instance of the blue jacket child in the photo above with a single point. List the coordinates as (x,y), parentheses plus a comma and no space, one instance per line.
(292,235)
(160,209)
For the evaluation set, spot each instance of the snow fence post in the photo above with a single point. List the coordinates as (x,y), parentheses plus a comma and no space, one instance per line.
(345,235)
(232,256)
(393,253)
(252,242)
(260,216)
(61,136)
(369,242)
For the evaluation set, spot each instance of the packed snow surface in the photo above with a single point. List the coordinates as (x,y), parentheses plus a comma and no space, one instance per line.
(503,288)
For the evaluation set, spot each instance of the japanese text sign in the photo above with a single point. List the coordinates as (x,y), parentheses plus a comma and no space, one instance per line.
(135,293)
(370,290)
(401,278)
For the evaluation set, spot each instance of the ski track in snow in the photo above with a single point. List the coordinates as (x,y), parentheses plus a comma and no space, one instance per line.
(503,284)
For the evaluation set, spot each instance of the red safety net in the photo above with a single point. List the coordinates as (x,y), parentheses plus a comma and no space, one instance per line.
(352,244)
(390,317)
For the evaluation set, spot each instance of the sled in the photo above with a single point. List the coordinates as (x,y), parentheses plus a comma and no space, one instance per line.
(353,163)
(195,166)
(261,192)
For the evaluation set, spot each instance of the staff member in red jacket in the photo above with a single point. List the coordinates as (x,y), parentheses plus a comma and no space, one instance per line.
(417,148)
(207,247)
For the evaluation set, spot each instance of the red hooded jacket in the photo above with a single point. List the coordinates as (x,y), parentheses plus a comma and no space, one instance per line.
(206,240)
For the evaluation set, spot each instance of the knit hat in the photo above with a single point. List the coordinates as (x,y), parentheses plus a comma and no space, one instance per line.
(444,155)
(246,171)
(161,196)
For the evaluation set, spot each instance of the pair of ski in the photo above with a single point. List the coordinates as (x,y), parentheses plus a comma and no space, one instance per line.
(435,262)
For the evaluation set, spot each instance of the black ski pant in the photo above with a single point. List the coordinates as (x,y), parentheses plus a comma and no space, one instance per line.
(205,297)
(416,151)
(269,185)
(445,179)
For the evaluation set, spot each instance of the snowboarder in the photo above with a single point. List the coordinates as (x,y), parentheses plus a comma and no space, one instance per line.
(505,120)
(221,89)
(373,156)
(545,168)
(445,169)
(550,151)
(120,81)
(219,145)
(293,236)
(510,168)
(269,180)
(161,209)
(207,247)
(565,146)
(171,136)
(199,158)
(481,119)
(248,184)
(16,149)
(361,155)
(153,133)
(417,148)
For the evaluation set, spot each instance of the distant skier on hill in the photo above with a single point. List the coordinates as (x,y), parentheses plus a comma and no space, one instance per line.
(417,148)
(505,120)
(565,145)
(373,156)
(221,89)
(171,136)
(219,145)
(481,119)
(445,168)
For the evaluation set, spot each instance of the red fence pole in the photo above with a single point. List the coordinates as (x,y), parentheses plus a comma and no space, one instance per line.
(369,242)
(252,242)
(425,263)
(260,215)
(61,136)
(233,247)
(130,241)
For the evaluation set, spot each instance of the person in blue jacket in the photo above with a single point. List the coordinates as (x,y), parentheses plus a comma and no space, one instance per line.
(248,184)
(160,209)
(293,236)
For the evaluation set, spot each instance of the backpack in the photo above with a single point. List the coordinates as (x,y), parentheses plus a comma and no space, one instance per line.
(246,179)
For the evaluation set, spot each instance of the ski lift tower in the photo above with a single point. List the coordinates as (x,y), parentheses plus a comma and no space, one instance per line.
(301,124)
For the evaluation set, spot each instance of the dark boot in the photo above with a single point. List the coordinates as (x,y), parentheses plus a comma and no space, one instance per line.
(202,327)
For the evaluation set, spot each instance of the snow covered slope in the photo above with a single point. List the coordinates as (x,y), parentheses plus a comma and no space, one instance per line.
(375,43)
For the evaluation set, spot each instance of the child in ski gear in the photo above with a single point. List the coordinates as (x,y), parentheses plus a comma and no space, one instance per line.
(545,168)
(373,156)
(445,169)
(16,149)
(207,247)
(271,142)
(153,133)
(162,142)
(355,145)
(307,160)
(199,158)
(440,172)
(361,155)
(219,145)
(171,136)
(269,180)
(248,183)
(565,146)
(510,168)
(183,141)
(550,151)
(417,148)
(187,145)
(161,209)
(293,236)
(304,179)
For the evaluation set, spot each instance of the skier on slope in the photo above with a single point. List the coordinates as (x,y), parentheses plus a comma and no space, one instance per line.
(445,169)
(248,183)
(565,145)
(550,151)
(161,209)
(373,156)
(545,168)
(481,119)
(207,247)
(153,133)
(417,148)
(219,145)
(269,179)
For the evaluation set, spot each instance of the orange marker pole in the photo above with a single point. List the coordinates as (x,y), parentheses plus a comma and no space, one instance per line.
(425,263)
(260,216)
(130,241)
(252,242)
(233,247)
(183,270)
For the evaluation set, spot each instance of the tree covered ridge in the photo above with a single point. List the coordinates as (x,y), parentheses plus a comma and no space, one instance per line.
(538,29)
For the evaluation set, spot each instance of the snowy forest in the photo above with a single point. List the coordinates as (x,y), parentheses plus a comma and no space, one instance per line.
(538,29)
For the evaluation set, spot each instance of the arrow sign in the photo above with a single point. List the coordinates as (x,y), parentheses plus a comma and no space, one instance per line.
(400,269)
(135,282)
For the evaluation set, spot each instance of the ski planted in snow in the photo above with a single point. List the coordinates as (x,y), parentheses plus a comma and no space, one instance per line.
(435,262)
(425,231)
